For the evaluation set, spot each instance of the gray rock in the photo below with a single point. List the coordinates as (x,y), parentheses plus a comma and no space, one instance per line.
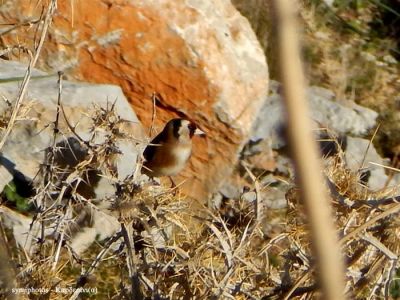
(351,119)
(394,182)
(329,2)
(20,226)
(14,71)
(215,202)
(249,196)
(25,148)
(284,165)
(26,145)
(230,190)
(270,197)
(274,197)
(104,226)
(356,151)
(269,123)
(269,179)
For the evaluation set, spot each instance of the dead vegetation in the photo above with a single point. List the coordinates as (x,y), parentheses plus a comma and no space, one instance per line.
(350,47)
(165,250)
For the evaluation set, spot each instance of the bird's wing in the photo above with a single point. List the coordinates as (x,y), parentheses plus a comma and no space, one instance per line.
(150,150)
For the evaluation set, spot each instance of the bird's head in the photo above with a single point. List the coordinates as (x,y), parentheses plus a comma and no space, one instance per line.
(182,130)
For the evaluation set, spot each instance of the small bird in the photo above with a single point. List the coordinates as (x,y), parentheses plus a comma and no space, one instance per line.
(168,152)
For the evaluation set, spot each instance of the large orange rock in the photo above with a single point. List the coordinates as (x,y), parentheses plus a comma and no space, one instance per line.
(200,56)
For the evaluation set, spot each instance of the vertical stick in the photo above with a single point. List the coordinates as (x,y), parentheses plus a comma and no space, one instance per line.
(132,264)
(306,158)
(7,272)
(34,57)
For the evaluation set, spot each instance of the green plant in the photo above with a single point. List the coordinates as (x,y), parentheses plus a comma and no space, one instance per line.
(21,203)
(395,285)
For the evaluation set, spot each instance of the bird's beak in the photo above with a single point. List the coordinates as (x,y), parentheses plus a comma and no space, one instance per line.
(199,132)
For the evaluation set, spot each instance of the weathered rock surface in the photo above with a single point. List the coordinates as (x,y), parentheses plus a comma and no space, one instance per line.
(24,150)
(20,226)
(361,155)
(26,145)
(336,125)
(351,119)
(200,56)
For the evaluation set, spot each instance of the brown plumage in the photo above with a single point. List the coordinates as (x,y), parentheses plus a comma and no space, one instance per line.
(168,152)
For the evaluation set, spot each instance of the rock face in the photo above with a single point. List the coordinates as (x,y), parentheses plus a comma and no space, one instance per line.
(200,56)
(345,120)
(348,123)
(26,145)
(361,154)
(24,150)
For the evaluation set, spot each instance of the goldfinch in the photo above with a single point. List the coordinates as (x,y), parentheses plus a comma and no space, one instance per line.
(168,152)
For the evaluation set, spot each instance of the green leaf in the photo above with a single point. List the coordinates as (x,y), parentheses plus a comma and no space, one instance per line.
(21,203)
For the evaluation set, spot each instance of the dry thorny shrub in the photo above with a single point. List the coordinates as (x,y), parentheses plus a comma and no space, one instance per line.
(166,250)
(163,248)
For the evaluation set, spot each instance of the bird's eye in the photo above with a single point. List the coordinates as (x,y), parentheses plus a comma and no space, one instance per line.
(192,127)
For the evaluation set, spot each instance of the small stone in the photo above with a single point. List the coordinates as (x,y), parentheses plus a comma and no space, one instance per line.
(249,196)
(357,158)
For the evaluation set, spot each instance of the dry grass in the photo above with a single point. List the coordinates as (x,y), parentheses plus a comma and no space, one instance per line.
(359,67)
(165,250)
(343,52)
